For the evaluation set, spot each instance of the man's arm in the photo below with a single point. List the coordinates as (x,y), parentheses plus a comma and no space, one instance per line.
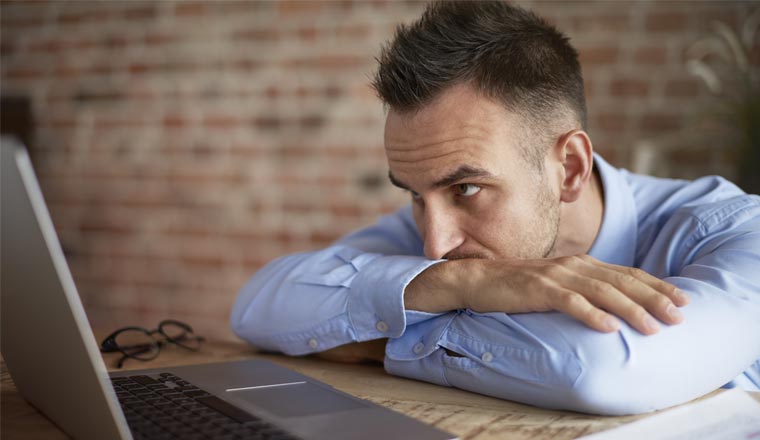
(350,292)
(587,289)
(582,287)
(551,360)
(355,292)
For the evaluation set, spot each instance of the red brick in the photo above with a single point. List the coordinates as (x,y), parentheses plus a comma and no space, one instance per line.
(308,33)
(67,71)
(45,45)
(333,180)
(344,209)
(590,23)
(343,151)
(115,42)
(296,151)
(628,87)
(324,238)
(186,8)
(328,62)
(690,156)
(209,261)
(101,69)
(682,88)
(138,68)
(650,55)
(60,123)
(235,8)
(598,55)
(89,226)
(333,91)
(143,12)
(23,22)
(158,38)
(666,21)
(267,122)
(102,123)
(175,121)
(222,122)
(246,65)
(295,7)
(660,122)
(23,73)
(312,122)
(7,47)
(267,35)
(247,151)
(612,121)
(84,17)
(352,31)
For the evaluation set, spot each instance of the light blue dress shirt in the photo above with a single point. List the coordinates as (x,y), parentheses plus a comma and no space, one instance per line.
(702,236)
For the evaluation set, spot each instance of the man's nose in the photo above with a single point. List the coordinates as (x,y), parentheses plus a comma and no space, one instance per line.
(442,234)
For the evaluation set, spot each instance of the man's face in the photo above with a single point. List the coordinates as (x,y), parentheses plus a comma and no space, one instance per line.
(473,194)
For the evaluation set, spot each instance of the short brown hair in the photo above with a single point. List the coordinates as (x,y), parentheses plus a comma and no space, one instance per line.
(506,52)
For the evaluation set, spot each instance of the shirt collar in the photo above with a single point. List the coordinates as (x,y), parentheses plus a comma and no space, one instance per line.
(616,241)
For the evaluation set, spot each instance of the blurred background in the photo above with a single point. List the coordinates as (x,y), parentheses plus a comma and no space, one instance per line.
(182,145)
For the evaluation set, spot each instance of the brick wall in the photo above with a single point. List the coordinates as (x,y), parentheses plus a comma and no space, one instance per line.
(180,146)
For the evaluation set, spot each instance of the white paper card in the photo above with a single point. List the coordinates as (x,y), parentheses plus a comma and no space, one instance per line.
(731,415)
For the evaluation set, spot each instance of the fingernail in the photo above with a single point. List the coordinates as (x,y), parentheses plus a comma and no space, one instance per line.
(682,295)
(612,323)
(651,324)
(674,313)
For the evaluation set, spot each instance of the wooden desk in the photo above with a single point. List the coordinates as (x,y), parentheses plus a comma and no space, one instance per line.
(468,415)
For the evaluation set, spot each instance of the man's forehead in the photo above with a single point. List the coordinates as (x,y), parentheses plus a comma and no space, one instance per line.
(421,137)
(403,131)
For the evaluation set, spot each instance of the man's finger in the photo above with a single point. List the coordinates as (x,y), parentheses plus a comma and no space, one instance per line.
(641,298)
(575,305)
(679,297)
(604,295)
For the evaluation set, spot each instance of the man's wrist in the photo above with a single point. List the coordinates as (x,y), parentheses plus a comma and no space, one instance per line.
(441,287)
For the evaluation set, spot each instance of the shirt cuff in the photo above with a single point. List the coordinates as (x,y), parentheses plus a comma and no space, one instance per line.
(376,302)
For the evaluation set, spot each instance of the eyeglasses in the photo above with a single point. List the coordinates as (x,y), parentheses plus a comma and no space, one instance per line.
(141,344)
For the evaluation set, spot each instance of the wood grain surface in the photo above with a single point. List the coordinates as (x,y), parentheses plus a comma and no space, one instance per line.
(468,415)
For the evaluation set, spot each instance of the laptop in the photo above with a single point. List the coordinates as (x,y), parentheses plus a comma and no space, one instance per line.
(54,360)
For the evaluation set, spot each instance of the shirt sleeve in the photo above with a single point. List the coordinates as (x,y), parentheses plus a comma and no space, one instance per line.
(349,292)
(554,361)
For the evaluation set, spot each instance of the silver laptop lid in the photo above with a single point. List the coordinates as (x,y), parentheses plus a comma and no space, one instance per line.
(46,339)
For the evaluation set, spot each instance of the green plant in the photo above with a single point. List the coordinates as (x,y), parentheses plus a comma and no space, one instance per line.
(728,64)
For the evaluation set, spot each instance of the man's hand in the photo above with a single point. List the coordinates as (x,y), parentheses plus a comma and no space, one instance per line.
(580,286)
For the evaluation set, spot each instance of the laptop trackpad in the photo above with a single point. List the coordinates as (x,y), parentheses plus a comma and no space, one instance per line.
(302,399)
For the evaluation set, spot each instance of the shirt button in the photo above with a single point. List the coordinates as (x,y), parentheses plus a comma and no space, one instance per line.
(487,356)
(381,326)
(313,343)
(418,347)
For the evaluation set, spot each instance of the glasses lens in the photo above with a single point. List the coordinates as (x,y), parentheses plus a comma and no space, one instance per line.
(137,344)
(180,335)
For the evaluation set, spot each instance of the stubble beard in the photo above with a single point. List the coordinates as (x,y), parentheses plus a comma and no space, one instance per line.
(550,209)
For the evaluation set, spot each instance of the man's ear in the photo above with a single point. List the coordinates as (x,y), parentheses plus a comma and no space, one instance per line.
(576,156)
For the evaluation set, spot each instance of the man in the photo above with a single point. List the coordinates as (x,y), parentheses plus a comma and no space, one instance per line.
(526,267)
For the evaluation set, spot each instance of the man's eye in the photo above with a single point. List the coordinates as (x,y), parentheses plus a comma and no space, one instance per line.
(467,189)
(415,196)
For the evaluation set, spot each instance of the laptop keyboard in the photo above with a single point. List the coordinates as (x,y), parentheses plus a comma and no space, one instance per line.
(166,407)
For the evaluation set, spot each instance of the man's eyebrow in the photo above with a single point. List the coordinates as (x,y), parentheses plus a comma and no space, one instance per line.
(397,182)
(461,173)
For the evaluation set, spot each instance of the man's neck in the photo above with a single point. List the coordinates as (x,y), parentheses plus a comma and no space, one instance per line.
(581,220)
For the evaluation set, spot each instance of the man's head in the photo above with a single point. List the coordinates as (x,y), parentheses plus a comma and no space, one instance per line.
(478,94)
(504,52)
